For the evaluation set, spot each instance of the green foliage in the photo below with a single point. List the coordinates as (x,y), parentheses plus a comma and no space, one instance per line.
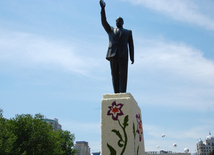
(25,134)
(112,150)
(7,138)
(126,119)
(67,142)
(121,141)
(134,133)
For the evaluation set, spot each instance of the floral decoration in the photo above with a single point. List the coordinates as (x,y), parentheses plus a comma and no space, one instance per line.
(115,110)
(139,126)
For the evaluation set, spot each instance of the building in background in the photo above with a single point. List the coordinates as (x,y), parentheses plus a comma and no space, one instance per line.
(204,148)
(82,148)
(54,123)
(96,153)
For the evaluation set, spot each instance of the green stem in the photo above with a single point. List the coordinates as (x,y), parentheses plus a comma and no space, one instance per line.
(125,135)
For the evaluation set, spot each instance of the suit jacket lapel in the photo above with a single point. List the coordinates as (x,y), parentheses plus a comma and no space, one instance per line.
(121,32)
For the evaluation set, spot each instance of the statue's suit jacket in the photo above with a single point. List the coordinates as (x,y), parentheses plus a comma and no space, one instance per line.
(118,43)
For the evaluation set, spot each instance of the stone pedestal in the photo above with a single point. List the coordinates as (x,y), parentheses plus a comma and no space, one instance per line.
(121,125)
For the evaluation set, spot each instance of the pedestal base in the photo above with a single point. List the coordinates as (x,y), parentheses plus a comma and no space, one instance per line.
(121,126)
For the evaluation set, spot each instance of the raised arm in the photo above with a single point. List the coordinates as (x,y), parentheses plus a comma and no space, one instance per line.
(105,24)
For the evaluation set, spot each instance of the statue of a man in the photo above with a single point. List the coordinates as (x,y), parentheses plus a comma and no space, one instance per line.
(117,54)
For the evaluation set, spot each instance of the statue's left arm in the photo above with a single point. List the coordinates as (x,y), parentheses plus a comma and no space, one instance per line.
(131,47)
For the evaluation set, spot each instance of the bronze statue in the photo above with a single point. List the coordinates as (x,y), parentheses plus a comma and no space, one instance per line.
(117,54)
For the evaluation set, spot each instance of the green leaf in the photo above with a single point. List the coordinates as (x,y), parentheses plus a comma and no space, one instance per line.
(120,144)
(111,149)
(134,130)
(137,150)
(117,132)
(126,119)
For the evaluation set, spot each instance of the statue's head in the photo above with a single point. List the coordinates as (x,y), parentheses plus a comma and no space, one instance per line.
(119,22)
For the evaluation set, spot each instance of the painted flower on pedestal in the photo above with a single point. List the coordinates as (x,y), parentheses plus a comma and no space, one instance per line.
(139,126)
(115,110)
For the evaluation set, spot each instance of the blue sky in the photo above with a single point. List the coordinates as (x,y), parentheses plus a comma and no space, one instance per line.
(52,61)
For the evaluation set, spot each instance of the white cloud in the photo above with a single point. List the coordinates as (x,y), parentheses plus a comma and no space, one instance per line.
(175,58)
(31,50)
(173,75)
(181,62)
(185,11)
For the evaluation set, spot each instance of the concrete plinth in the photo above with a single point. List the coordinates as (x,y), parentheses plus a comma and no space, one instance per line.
(121,125)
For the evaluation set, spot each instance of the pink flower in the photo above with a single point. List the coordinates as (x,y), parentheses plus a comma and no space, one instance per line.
(115,110)
(139,126)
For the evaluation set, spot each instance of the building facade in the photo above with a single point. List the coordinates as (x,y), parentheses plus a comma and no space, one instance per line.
(82,148)
(204,148)
(54,123)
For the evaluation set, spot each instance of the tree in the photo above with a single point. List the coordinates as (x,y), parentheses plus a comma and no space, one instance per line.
(25,134)
(67,142)
(7,138)
(33,136)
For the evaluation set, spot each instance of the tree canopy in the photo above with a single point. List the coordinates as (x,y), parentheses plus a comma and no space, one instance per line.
(28,135)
